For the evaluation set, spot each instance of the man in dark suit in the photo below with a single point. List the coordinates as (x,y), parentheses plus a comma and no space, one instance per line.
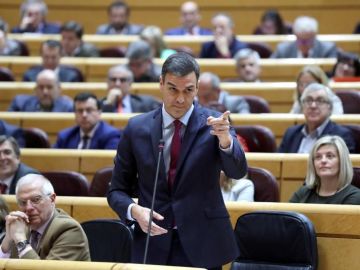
(51,55)
(90,132)
(12,131)
(11,168)
(210,92)
(317,105)
(225,44)
(39,231)
(306,44)
(190,18)
(47,96)
(118,97)
(191,226)
(33,13)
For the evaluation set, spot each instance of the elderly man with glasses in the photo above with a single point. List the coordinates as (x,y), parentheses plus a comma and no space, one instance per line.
(39,230)
(317,105)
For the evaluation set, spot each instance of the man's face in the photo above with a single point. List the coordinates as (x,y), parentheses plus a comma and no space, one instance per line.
(178,93)
(34,12)
(87,115)
(305,41)
(248,69)
(9,162)
(50,57)
(36,205)
(190,15)
(69,41)
(222,27)
(119,79)
(118,17)
(304,80)
(316,108)
(206,93)
(139,67)
(46,90)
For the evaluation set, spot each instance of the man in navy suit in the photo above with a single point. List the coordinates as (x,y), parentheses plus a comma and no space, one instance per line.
(191,225)
(225,44)
(51,55)
(33,20)
(190,18)
(317,105)
(90,132)
(47,96)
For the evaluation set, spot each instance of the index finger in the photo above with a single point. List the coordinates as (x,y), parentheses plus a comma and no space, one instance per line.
(225,115)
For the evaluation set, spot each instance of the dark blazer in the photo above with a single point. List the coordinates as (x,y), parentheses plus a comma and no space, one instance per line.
(66,74)
(13,131)
(86,50)
(139,103)
(20,172)
(129,29)
(321,49)
(209,50)
(28,103)
(105,137)
(293,136)
(45,28)
(195,203)
(180,31)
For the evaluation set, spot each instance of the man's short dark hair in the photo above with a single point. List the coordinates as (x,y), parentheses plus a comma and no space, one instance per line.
(84,96)
(13,142)
(119,4)
(51,44)
(180,64)
(72,26)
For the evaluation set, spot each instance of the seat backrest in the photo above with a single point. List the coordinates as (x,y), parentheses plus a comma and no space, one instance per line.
(263,49)
(112,52)
(79,75)
(356,178)
(266,186)
(6,75)
(355,130)
(35,138)
(24,50)
(350,100)
(100,182)
(275,240)
(258,138)
(109,240)
(257,104)
(68,183)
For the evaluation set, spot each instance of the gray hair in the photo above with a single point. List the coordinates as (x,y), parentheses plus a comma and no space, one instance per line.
(121,68)
(305,24)
(215,80)
(313,87)
(26,4)
(230,20)
(139,50)
(247,53)
(13,142)
(46,186)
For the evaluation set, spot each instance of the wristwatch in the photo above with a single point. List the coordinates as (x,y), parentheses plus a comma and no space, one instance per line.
(20,246)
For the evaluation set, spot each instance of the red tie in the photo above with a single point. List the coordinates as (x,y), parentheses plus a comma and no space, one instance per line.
(174,153)
(3,188)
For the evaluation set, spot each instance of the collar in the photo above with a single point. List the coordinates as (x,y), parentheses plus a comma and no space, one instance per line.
(126,104)
(168,119)
(43,227)
(91,133)
(318,132)
(7,181)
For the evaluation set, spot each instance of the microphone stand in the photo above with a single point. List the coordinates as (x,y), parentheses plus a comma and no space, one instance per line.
(161,147)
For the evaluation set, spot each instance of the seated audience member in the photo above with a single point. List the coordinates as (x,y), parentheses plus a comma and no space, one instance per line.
(225,44)
(33,19)
(7,46)
(118,97)
(309,75)
(11,168)
(51,54)
(153,35)
(47,96)
(141,62)
(347,67)
(236,190)
(272,24)
(39,230)
(90,132)
(329,175)
(306,44)
(119,14)
(190,18)
(72,44)
(316,104)
(210,91)
(357,29)
(247,66)
(4,211)
(13,131)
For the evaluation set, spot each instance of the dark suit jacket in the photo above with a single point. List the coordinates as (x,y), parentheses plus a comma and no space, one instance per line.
(20,172)
(139,103)
(209,50)
(105,137)
(14,131)
(45,28)
(27,103)
(195,203)
(86,50)
(179,31)
(129,29)
(66,74)
(321,49)
(293,136)
(63,239)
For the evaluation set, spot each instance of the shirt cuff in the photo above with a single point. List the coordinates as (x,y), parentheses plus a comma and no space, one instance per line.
(22,253)
(128,213)
(4,255)
(229,149)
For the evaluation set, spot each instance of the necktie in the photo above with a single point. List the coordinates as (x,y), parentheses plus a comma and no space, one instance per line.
(174,153)
(85,140)
(3,188)
(34,240)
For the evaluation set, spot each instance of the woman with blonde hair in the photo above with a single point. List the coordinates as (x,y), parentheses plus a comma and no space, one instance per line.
(329,175)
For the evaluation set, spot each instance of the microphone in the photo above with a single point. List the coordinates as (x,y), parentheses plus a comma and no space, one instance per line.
(161,148)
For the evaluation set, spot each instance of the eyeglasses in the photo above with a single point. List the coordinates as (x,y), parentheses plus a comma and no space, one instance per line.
(121,79)
(318,102)
(33,201)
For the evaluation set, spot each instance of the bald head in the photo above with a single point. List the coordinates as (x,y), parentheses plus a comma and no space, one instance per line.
(209,88)
(47,88)
(190,16)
